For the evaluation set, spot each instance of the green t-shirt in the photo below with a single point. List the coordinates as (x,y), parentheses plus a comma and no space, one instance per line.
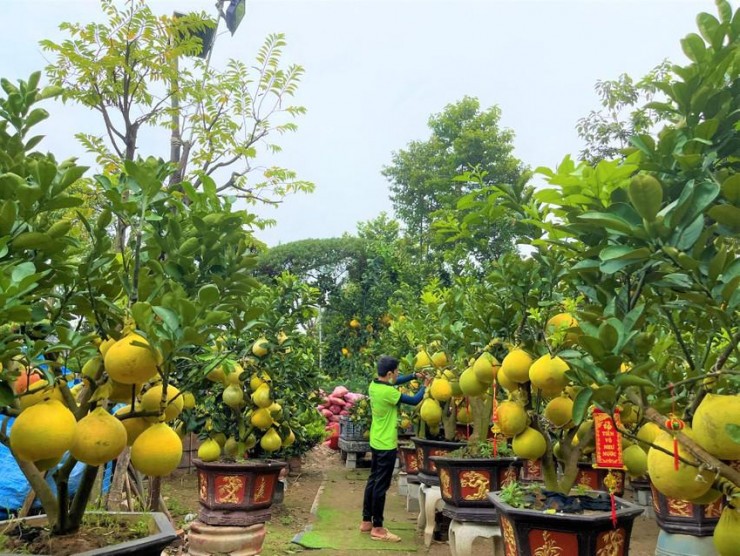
(384,399)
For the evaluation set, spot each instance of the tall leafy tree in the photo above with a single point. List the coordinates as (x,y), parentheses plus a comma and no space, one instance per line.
(423,175)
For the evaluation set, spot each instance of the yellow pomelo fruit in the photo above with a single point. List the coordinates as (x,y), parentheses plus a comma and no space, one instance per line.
(354,323)
(100,438)
(43,431)
(134,425)
(441,390)
(93,367)
(456,390)
(220,438)
(530,444)
(503,380)
(152,398)
(647,433)
(188,400)
(486,368)
(714,413)
(105,345)
(157,452)
(276,411)
(261,397)
(439,359)
(270,441)
(250,442)
(255,382)
(710,497)
(38,392)
(727,532)
(516,366)
(422,360)
(559,411)
(260,347)
(289,440)
(233,396)
(216,375)
(235,376)
(431,412)
(635,460)
(547,374)
(231,447)
(261,419)
(464,416)
(122,392)
(560,322)
(685,483)
(128,363)
(209,450)
(511,418)
(470,385)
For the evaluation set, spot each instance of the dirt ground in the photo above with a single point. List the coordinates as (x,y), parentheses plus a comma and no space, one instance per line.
(294,514)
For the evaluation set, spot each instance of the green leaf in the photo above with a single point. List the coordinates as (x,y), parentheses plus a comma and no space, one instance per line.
(609,221)
(710,29)
(580,405)
(142,313)
(9,185)
(727,215)
(623,252)
(693,47)
(208,295)
(170,318)
(8,214)
(22,271)
(686,237)
(731,189)
(625,380)
(37,115)
(7,396)
(733,431)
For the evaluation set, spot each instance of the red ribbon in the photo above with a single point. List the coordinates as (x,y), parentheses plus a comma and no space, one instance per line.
(614,509)
(493,420)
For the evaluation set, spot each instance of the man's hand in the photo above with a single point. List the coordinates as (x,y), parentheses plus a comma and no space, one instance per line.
(420,376)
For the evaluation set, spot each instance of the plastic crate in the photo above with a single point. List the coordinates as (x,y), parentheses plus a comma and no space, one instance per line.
(349,430)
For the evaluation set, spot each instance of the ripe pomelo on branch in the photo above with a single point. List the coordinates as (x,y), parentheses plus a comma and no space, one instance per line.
(511,418)
(271,441)
(505,382)
(559,411)
(470,385)
(134,425)
(157,451)
(635,460)
(441,390)
(530,444)
(712,416)
(431,412)
(558,324)
(516,366)
(128,363)
(486,368)
(422,360)
(43,431)
(547,374)
(152,399)
(209,450)
(260,347)
(439,359)
(685,483)
(727,532)
(100,438)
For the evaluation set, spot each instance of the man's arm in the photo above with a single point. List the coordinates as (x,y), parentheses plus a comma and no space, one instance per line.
(413,400)
(408,378)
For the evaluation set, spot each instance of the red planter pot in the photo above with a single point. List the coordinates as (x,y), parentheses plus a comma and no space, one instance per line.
(532,471)
(408,459)
(466,483)
(237,494)
(425,449)
(534,532)
(684,518)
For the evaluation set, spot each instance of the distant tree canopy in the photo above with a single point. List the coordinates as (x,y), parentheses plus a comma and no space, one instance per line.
(423,177)
(322,262)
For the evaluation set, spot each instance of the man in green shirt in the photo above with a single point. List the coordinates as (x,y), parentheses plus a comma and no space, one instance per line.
(384,400)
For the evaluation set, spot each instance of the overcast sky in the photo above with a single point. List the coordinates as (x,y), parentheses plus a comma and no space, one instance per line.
(376,70)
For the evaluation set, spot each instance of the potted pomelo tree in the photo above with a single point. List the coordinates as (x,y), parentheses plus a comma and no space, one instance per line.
(652,247)
(58,274)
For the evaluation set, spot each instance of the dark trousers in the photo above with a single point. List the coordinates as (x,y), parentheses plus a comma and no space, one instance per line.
(381,474)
